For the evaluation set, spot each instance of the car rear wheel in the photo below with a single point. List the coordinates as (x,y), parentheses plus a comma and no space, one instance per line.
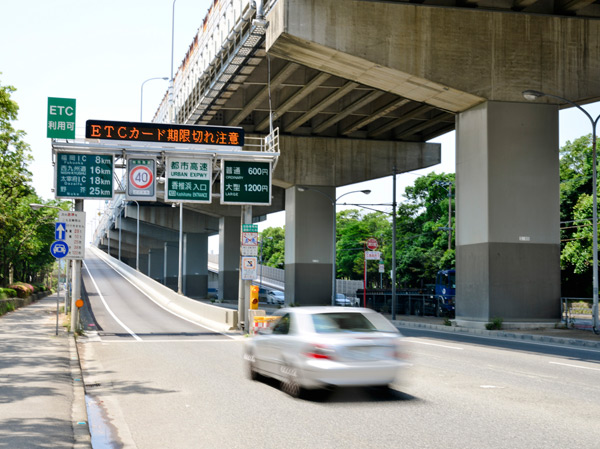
(290,384)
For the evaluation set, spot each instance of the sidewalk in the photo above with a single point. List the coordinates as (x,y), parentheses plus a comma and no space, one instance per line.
(42,402)
(559,336)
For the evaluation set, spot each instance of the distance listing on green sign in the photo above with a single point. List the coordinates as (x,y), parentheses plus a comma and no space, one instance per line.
(84,176)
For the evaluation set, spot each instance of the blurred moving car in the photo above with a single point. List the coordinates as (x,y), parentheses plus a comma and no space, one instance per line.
(319,347)
(342,300)
(275,297)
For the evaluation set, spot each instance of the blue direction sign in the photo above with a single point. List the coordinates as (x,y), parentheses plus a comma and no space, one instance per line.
(59,249)
(60,231)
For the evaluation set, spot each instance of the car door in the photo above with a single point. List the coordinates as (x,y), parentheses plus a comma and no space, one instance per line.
(278,342)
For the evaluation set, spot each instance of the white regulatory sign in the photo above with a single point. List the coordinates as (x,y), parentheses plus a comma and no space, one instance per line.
(71,226)
(249,265)
(372,255)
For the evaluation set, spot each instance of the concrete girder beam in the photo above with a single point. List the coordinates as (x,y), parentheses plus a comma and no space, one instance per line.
(339,162)
(417,51)
(167,217)
(151,236)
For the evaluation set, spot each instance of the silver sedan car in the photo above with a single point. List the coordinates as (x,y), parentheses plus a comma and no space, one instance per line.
(319,347)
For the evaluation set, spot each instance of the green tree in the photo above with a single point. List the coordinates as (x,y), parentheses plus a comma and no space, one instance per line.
(353,230)
(273,247)
(24,233)
(576,166)
(422,244)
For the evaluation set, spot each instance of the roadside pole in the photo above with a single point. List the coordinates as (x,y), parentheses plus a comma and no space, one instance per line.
(67,283)
(244,290)
(76,281)
(57,293)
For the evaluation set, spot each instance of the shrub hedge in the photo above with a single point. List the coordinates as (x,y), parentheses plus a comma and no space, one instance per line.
(23,290)
(7,293)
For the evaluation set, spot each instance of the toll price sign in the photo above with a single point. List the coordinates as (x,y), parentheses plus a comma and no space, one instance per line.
(246,182)
(84,176)
(141,178)
(188,180)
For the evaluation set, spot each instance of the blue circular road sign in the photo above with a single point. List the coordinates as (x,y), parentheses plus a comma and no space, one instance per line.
(59,249)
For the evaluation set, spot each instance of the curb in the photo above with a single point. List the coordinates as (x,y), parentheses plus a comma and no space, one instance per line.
(79,417)
(517,336)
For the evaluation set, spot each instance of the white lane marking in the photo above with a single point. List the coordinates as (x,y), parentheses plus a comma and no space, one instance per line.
(574,366)
(129,331)
(208,340)
(435,344)
(164,308)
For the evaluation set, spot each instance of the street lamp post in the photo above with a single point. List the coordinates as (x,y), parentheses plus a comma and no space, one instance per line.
(333,252)
(448,184)
(142,93)
(532,95)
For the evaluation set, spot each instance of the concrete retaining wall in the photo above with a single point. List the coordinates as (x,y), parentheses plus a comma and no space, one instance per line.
(215,317)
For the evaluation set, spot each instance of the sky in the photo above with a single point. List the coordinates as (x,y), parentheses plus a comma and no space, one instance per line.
(100,53)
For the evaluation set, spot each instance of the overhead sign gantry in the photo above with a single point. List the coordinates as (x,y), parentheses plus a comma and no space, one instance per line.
(190,157)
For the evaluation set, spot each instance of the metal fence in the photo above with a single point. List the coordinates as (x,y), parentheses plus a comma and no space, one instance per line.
(577,312)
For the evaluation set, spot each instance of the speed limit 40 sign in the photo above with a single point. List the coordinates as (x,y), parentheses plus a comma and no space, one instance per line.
(141,178)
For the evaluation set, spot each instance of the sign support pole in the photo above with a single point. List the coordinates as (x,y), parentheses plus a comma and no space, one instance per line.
(180,273)
(76,281)
(244,290)
(57,293)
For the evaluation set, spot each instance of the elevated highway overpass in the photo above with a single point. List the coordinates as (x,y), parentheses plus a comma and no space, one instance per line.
(356,89)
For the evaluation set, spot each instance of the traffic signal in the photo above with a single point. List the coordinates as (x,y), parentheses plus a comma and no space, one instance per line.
(254,296)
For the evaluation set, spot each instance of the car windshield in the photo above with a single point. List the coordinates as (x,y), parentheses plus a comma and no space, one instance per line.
(349,322)
(278,293)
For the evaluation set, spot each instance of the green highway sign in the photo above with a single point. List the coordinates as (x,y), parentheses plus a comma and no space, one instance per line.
(84,176)
(61,118)
(188,180)
(249,228)
(246,182)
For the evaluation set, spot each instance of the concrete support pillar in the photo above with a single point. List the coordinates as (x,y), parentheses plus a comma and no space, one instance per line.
(229,257)
(156,263)
(308,246)
(171,265)
(195,265)
(144,265)
(507,204)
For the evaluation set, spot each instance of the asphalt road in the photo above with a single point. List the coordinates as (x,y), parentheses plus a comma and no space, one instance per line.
(157,381)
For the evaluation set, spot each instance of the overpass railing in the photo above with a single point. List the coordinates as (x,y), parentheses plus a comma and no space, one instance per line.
(225,41)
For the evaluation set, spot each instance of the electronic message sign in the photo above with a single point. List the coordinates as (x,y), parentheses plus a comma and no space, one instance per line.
(204,135)
(246,182)
(84,176)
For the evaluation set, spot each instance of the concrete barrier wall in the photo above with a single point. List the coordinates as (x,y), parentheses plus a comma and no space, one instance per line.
(215,317)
